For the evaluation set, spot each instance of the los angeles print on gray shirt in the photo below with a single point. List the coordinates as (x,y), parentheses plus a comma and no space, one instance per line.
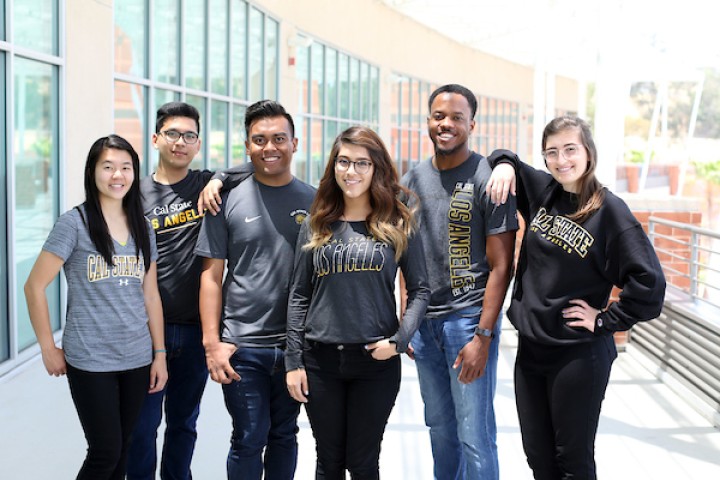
(455,217)
(107,326)
(343,291)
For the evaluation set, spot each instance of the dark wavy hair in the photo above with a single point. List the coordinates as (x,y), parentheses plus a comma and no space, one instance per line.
(591,193)
(390,221)
(132,202)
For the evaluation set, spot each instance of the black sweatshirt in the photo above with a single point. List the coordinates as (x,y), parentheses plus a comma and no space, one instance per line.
(343,291)
(561,260)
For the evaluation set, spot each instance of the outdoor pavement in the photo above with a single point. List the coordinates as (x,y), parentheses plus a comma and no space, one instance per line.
(646,431)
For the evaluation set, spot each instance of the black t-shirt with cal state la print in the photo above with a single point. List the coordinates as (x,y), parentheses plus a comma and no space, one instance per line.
(172,211)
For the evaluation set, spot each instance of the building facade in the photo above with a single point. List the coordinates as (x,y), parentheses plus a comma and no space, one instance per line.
(75,70)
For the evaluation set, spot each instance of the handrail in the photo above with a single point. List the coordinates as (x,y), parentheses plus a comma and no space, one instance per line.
(688,263)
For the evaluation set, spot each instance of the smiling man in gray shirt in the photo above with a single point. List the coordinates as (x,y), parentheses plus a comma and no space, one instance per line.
(244,319)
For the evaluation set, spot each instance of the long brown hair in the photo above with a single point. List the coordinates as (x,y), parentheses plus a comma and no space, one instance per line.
(390,220)
(591,193)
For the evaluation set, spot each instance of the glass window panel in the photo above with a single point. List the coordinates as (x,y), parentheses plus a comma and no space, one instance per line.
(365,94)
(194,44)
(36,194)
(238,135)
(301,156)
(271,58)
(404,102)
(166,31)
(238,48)
(2,24)
(129,117)
(316,151)
(255,56)
(199,103)
(4,325)
(302,74)
(218,46)
(344,86)
(161,98)
(130,38)
(394,145)
(218,135)
(35,25)
(317,90)
(331,85)
(394,102)
(355,89)
(374,95)
(332,128)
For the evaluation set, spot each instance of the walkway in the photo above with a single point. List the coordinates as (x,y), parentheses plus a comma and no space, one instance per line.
(646,431)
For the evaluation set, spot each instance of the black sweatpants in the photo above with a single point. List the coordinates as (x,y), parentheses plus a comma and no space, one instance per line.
(351,397)
(108,404)
(559,391)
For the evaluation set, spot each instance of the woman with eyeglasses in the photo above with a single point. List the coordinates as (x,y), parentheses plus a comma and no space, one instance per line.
(343,333)
(113,348)
(580,241)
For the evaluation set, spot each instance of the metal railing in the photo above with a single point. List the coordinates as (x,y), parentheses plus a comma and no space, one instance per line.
(690,257)
(684,341)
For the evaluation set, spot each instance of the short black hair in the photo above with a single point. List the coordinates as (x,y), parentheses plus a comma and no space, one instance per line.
(460,90)
(176,109)
(266,109)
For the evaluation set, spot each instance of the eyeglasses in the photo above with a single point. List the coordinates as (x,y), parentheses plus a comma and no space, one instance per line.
(568,151)
(361,166)
(173,136)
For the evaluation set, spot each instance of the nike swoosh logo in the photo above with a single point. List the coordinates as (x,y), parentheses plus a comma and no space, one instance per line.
(251,219)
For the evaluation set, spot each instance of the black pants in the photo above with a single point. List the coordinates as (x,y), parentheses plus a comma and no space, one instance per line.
(559,391)
(351,397)
(108,404)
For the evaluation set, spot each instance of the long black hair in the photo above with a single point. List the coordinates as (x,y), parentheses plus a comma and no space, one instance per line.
(132,202)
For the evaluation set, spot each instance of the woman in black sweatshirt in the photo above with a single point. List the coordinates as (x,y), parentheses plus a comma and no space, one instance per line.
(580,241)
(343,333)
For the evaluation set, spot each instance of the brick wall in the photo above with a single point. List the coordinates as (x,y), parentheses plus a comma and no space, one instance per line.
(677,210)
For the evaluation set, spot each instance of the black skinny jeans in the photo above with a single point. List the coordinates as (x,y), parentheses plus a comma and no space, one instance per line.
(108,404)
(351,397)
(559,391)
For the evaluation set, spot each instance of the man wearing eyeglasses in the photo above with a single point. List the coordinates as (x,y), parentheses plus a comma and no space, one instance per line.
(169,197)
(244,320)
(469,245)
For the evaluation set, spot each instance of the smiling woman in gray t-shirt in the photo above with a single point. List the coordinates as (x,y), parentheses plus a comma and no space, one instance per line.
(114,324)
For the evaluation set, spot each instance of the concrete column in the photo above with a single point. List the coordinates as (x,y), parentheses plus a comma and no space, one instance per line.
(86,100)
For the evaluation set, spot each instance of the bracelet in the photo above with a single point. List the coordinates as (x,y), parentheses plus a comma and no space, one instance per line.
(162,350)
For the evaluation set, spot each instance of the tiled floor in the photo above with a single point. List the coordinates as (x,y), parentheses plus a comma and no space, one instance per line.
(646,431)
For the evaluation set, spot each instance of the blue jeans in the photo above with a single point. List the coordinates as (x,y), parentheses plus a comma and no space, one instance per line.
(187,376)
(461,417)
(264,417)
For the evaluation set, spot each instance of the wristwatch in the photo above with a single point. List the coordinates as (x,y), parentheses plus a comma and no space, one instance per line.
(484,332)
(598,320)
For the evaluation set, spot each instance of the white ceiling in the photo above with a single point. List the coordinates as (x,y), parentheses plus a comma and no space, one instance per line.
(645,39)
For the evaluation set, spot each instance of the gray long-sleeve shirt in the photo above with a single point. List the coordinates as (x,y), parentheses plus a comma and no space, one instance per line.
(343,292)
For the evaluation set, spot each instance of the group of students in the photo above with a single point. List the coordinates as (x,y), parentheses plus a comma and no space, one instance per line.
(285,295)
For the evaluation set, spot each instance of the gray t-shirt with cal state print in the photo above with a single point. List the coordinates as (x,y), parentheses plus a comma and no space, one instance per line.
(107,324)
(256,232)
